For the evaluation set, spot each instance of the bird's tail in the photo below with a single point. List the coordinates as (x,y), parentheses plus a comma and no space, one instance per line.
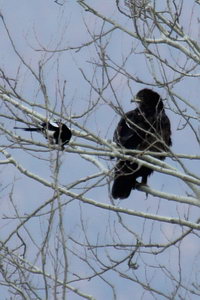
(122,187)
(124,181)
(29,128)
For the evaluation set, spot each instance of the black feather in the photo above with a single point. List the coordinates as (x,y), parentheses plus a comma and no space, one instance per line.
(29,129)
(56,132)
(147,128)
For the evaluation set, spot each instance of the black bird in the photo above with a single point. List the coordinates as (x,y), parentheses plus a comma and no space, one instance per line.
(147,128)
(56,132)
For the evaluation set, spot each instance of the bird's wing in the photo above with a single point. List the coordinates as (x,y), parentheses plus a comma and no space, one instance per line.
(53,124)
(128,133)
(166,129)
(50,125)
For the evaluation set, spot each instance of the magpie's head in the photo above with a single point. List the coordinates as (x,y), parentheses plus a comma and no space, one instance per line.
(148,99)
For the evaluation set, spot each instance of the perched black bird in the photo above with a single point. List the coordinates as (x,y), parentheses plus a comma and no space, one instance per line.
(147,128)
(56,132)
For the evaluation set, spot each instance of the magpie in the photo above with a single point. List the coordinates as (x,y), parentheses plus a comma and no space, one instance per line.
(146,128)
(56,132)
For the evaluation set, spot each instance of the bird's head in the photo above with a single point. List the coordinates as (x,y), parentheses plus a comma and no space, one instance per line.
(147,98)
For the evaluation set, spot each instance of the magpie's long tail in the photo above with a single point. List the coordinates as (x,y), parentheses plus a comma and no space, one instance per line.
(29,129)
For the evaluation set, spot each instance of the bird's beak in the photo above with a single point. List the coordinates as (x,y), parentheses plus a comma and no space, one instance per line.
(135,99)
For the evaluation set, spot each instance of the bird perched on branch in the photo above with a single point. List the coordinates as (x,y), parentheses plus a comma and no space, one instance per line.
(56,132)
(147,128)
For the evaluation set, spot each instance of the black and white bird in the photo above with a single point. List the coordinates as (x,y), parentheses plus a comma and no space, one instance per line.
(56,132)
(147,128)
